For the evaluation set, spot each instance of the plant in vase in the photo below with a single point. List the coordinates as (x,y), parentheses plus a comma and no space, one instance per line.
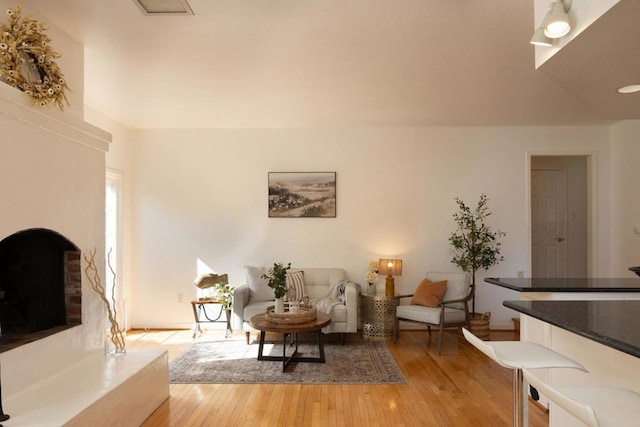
(371,276)
(224,295)
(115,338)
(475,244)
(277,280)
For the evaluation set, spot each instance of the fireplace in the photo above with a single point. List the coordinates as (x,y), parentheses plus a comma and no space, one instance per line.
(40,286)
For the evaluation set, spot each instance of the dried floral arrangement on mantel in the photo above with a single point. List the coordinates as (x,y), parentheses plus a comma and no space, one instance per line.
(27,60)
(116,334)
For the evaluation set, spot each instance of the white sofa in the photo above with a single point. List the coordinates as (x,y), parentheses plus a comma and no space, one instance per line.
(251,298)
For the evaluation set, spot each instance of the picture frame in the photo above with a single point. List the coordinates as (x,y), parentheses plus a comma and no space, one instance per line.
(302,194)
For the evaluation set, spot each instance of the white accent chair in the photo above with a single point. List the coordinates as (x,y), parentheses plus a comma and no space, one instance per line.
(594,406)
(517,355)
(452,312)
(318,282)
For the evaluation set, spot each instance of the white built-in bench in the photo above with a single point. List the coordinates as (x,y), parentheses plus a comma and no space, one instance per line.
(95,391)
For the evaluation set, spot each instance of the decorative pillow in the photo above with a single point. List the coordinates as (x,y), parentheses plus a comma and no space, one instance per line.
(295,286)
(429,293)
(259,289)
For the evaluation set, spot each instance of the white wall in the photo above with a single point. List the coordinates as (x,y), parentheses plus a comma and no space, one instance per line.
(625,195)
(202,195)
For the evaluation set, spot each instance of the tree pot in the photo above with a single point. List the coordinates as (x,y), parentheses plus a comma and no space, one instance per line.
(480,325)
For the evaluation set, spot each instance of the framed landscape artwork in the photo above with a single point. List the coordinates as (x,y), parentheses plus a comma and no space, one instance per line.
(302,194)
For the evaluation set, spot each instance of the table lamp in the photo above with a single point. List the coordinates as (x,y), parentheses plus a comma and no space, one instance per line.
(390,267)
(207,281)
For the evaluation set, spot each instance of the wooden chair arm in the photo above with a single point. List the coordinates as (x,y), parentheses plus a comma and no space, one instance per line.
(465,299)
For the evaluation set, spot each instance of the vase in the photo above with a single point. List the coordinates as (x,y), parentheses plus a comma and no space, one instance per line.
(115,332)
(114,344)
(279,306)
(372,289)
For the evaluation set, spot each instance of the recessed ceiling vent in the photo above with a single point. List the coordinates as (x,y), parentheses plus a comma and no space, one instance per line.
(164,7)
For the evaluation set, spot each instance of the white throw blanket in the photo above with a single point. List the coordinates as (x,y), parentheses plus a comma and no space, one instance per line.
(336,296)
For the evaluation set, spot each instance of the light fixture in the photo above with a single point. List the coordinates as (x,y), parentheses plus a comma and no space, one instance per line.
(539,39)
(207,283)
(556,24)
(629,89)
(390,267)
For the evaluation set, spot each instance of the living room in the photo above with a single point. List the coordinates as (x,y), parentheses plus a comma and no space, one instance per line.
(195,199)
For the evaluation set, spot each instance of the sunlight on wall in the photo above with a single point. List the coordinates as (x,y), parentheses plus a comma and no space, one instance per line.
(203,268)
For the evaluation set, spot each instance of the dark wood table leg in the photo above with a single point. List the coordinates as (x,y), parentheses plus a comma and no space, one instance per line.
(320,346)
(293,357)
(261,345)
(284,352)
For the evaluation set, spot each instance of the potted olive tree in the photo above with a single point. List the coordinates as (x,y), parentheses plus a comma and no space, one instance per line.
(474,244)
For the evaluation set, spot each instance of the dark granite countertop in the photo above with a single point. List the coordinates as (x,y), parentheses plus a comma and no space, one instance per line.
(613,323)
(588,284)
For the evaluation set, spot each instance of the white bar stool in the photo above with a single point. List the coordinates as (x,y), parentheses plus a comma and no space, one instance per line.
(594,406)
(516,355)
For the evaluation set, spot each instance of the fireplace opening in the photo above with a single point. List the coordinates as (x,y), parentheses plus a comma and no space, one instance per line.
(40,286)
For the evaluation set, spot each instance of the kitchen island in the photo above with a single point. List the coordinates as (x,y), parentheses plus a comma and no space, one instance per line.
(562,340)
(574,289)
(572,285)
(611,323)
(600,334)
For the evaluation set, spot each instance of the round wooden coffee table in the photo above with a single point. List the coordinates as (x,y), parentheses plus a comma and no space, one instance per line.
(260,323)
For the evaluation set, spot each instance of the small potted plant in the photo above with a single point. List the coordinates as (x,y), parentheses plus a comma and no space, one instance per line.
(277,280)
(475,244)
(224,295)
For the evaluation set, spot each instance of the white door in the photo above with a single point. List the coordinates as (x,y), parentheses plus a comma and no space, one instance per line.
(548,222)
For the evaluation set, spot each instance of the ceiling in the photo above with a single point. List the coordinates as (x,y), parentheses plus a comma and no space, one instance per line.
(336,63)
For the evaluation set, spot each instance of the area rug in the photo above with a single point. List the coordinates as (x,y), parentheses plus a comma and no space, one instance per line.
(234,362)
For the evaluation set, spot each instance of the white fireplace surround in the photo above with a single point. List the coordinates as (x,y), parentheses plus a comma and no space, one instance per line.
(52,176)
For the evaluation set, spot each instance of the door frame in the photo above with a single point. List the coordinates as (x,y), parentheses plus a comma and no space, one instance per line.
(592,205)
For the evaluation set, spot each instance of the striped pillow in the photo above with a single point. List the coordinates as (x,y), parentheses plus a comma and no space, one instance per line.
(295,286)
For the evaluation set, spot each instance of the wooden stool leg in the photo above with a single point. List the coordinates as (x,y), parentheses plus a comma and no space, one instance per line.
(248,334)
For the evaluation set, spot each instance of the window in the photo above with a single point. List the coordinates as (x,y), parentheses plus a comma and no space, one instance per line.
(113,227)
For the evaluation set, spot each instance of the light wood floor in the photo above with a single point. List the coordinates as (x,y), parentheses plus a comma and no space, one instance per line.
(461,387)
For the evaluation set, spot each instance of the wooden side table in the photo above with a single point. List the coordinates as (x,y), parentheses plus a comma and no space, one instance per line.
(378,315)
(199,312)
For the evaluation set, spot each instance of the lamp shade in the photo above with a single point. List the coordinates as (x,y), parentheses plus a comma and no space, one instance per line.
(556,23)
(209,280)
(390,267)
